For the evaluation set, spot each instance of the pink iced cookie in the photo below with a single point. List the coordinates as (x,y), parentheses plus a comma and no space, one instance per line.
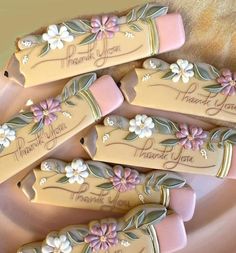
(107,94)
(171,32)
(183,201)
(171,234)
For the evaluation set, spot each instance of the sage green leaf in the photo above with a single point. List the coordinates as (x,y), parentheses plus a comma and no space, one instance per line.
(37,127)
(17,122)
(74,88)
(75,26)
(135,27)
(86,249)
(63,180)
(86,80)
(96,171)
(1,148)
(201,73)
(74,238)
(170,142)
(168,75)
(86,23)
(131,136)
(147,190)
(109,172)
(141,11)
(156,11)
(214,88)
(69,102)
(128,224)
(165,126)
(171,183)
(106,186)
(26,116)
(150,180)
(154,217)
(89,39)
(45,50)
(225,134)
(139,218)
(232,139)
(130,16)
(215,71)
(131,235)
(65,94)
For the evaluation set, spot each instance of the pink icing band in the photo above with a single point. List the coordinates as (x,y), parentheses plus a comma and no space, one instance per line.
(171,32)
(171,234)
(107,94)
(183,201)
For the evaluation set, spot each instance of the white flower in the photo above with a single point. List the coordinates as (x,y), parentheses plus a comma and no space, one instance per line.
(56,37)
(57,245)
(182,69)
(142,125)
(7,135)
(77,171)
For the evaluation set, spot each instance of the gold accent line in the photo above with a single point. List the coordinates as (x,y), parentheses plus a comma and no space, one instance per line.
(155,242)
(88,96)
(153,38)
(165,196)
(226,163)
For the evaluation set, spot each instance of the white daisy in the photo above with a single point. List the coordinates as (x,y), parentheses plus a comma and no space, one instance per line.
(7,135)
(57,245)
(141,125)
(77,171)
(182,69)
(55,36)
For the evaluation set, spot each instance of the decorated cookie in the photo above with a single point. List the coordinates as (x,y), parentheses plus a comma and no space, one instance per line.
(144,229)
(79,46)
(30,135)
(158,143)
(198,89)
(98,186)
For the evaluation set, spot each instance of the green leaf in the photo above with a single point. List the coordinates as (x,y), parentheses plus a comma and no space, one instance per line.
(109,172)
(63,180)
(1,148)
(147,190)
(76,26)
(86,249)
(141,11)
(201,73)
(156,11)
(131,235)
(215,71)
(74,238)
(74,88)
(89,39)
(44,50)
(96,171)
(135,27)
(165,126)
(170,142)
(69,102)
(65,94)
(37,127)
(173,183)
(215,88)
(86,80)
(17,122)
(27,116)
(139,218)
(131,136)
(154,216)
(106,186)
(232,139)
(128,224)
(169,75)
(225,134)
(130,16)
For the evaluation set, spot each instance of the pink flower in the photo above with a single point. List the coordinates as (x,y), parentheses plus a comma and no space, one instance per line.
(191,137)
(45,111)
(104,26)
(125,179)
(228,81)
(102,236)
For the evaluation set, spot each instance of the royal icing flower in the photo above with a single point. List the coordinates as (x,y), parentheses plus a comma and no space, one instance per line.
(7,135)
(228,82)
(55,36)
(191,137)
(141,125)
(182,69)
(58,244)
(77,171)
(105,26)
(102,236)
(125,179)
(45,111)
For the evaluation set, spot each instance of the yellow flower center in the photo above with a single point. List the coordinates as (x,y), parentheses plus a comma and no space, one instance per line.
(56,250)
(142,125)
(190,137)
(102,28)
(103,238)
(123,181)
(45,112)
(2,136)
(232,82)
